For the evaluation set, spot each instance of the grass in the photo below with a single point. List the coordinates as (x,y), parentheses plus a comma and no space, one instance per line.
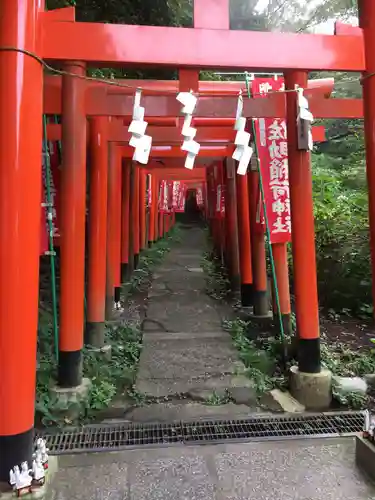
(261,366)
(265,364)
(217,282)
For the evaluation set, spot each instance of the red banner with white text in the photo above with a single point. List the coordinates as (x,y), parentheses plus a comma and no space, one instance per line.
(179,196)
(273,156)
(163,198)
(199,197)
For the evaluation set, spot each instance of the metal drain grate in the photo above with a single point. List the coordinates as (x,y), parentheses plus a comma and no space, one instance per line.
(120,436)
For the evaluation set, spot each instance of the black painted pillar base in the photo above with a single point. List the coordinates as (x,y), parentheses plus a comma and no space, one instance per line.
(261,303)
(216,252)
(130,266)
(117,293)
(136,260)
(150,243)
(309,355)
(247,294)
(235,284)
(95,334)
(109,306)
(14,450)
(69,372)
(125,272)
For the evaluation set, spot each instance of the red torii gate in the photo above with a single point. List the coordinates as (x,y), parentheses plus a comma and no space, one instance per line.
(54,36)
(215,130)
(99,99)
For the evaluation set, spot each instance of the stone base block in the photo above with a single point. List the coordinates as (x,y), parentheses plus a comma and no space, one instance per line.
(313,390)
(261,320)
(66,396)
(286,401)
(105,351)
(245,313)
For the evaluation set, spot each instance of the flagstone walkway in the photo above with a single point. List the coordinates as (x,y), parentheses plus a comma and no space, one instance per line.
(187,358)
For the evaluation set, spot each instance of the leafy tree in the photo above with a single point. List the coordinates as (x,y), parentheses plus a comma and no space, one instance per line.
(146,12)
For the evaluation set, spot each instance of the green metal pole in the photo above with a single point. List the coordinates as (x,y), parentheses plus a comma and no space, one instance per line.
(268,233)
(51,252)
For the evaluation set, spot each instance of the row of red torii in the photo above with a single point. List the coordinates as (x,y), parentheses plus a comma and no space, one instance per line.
(28,35)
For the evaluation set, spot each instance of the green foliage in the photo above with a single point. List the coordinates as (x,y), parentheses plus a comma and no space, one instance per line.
(353,400)
(341,225)
(217,282)
(147,12)
(260,366)
(217,399)
(345,362)
(108,377)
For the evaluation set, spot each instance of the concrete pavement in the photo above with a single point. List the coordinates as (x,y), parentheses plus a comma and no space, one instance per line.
(311,469)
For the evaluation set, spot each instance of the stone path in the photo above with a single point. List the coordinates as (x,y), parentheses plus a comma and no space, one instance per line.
(186,357)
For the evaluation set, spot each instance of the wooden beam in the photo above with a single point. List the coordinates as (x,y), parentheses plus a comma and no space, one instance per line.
(171,135)
(143,46)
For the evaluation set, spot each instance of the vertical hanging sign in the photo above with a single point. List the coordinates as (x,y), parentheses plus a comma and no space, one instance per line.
(200,201)
(179,195)
(273,157)
(164,197)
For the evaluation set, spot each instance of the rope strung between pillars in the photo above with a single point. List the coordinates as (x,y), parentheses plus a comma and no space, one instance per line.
(268,233)
(51,252)
(115,83)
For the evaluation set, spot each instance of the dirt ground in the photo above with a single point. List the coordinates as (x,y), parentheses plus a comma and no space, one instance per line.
(353,333)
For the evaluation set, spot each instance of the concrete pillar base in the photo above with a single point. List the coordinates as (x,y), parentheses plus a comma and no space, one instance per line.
(105,351)
(67,396)
(261,317)
(313,390)
(365,456)
(261,320)
(245,313)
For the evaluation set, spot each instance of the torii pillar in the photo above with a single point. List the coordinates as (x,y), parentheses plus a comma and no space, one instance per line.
(73,221)
(125,225)
(231,226)
(95,325)
(366,10)
(310,383)
(21,109)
